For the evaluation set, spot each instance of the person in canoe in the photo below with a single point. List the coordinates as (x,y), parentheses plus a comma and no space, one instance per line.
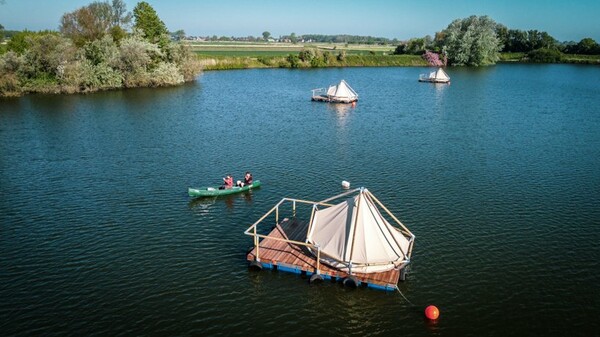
(227,182)
(247,180)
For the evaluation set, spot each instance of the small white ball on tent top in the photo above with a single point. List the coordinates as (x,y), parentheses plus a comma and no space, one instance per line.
(345,184)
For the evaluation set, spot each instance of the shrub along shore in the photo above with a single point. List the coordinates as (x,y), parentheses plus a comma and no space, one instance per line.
(94,52)
(292,61)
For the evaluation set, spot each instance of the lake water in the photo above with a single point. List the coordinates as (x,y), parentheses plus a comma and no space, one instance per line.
(497,175)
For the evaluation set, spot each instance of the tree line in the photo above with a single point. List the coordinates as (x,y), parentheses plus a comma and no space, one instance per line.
(478,40)
(98,47)
(350,39)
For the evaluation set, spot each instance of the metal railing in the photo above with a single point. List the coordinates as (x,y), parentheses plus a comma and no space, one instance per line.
(252,230)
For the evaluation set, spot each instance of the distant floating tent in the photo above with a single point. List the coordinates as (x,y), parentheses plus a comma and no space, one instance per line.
(438,76)
(341,93)
(354,236)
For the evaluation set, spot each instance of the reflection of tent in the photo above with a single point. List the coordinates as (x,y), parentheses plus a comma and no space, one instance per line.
(354,236)
(438,76)
(341,93)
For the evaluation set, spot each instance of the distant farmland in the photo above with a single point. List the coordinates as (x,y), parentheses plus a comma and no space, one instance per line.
(247,49)
(243,55)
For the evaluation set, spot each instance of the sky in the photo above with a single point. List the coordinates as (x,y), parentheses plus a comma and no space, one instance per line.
(402,19)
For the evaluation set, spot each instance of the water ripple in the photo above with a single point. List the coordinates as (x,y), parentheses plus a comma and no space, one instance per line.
(499,184)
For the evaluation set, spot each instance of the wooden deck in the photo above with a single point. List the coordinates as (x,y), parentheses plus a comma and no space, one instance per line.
(289,257)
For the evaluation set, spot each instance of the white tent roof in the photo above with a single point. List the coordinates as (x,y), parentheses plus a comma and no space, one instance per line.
(354,233)
(440,74)
(342,90)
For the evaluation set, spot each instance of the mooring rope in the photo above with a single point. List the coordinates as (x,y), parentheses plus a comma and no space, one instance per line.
(411,303)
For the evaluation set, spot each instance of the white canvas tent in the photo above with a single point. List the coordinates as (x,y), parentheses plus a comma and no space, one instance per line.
(341,93)
(354,236)
(438,76)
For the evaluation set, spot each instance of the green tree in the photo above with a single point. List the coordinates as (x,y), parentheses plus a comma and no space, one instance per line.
(137,55)
(120,16)
(587,46)
(10,65)
(537,40)
(117,33)
(514,40)
(1,33)
(293,60)
(179,35)
(46,56)
(102,51)
(266,35)
(400,50)
(147,21)
(502,34)
(307,54)
(95,20)
(21,41)
(18,43)
(415,46)
(186,61)
(471,41)
(544,55)
(293,38)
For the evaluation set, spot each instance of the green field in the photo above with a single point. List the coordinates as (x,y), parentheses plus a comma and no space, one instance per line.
(241,49)
(242,55)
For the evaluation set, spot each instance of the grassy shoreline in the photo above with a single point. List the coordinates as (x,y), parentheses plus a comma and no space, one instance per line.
(225,62)
(248,62)
(566,58)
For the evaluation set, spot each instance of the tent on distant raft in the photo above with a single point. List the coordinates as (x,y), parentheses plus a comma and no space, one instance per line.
(438,76)
(354,237)
(341,93)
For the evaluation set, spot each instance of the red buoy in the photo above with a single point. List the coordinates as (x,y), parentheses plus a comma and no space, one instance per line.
(432,312)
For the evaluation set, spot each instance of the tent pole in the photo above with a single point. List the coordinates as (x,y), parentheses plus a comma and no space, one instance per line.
(410,248)
(318,271)
(294,208)
(354,225)
(310,223)
(256,245)
(370,197)
(390,214)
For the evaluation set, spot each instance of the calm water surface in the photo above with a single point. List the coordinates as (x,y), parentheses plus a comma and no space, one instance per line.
(497,174)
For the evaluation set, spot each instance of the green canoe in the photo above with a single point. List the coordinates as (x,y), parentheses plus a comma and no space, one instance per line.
(215,191)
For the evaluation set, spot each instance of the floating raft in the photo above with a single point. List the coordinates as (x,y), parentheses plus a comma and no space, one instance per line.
(341,93)
(323,98)
(278,252)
